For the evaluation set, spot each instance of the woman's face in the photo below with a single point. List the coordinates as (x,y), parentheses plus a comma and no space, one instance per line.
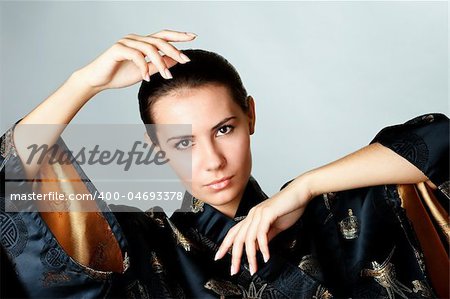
(218,145)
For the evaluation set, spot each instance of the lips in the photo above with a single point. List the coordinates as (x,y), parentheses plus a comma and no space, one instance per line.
(220,184)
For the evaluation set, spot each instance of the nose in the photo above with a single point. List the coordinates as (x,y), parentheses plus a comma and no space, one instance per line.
(212,156)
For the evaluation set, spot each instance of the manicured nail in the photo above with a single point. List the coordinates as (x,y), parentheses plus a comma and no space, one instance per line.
(191,34)
(215,257)
(265,258)
(233,270)
(184,57)
(147,77)
(168,74)
(252,271)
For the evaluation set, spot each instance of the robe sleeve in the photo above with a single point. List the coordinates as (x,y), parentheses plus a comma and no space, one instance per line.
(11,165)
(65,219)
(10,282)
(424,142)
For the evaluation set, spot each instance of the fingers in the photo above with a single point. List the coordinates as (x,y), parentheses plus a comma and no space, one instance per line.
(227,242)
(175,36)
(151,46)
(167,60)
(253,233)
(151,52)
(250,241)
(263,243)
(238,245)
(235,240)
(263,223)
(256,236)
(162,45)
(123,52)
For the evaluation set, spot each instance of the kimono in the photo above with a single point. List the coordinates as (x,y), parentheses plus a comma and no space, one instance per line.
(107,253)
(386,241)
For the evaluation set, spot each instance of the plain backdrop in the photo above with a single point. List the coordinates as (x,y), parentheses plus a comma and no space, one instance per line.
(326,76)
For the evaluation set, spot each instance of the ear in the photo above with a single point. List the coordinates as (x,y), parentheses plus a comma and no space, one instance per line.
(251,114)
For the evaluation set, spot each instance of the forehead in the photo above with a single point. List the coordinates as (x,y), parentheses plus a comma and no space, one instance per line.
(200,106)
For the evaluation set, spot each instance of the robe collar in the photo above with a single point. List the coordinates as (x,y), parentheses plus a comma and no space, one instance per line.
(212,223)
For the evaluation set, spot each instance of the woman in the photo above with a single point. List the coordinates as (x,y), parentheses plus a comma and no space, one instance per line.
(180,250)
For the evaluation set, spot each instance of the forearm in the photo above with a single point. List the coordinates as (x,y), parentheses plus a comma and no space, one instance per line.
(44,124)
(370,166)
(122,65)
(63,104)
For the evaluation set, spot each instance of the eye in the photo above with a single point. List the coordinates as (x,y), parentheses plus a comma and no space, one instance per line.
(225,130)
(183,144)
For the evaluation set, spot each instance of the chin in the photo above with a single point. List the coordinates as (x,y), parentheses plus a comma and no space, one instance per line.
(219,198)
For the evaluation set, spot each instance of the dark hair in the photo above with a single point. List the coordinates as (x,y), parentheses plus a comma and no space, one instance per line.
(204,68)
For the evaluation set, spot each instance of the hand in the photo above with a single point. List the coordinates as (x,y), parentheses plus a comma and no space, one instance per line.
(264,222)
(124,63)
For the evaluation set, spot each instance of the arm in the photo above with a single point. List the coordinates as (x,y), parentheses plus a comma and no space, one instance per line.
(120,66)
(58,109)
(370,166)
(411,153)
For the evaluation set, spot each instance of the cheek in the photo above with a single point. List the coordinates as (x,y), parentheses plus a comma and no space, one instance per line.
(237,151)
(183,169)
(181,164)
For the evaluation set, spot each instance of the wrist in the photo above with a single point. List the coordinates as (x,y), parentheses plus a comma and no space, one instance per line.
(304,187)
(78,81)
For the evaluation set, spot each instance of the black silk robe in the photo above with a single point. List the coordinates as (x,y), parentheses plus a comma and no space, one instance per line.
(377,242)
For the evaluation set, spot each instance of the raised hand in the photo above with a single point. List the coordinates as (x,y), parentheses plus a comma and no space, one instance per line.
(125,64)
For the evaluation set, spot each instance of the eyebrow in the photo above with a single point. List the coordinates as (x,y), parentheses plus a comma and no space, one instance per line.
(221,123)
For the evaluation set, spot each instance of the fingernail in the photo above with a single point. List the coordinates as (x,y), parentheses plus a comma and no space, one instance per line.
(184,57)
(147,77)
(215,257)
(251,270)
(168,74)
(191,34)
(233,270)
(265,258)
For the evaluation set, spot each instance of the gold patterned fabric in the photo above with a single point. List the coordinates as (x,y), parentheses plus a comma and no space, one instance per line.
(355,243)
(429,219)
(78,226)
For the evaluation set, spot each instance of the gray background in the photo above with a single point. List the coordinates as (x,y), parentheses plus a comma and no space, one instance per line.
(326,76)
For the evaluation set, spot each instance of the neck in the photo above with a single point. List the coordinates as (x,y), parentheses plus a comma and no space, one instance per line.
(229,209)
